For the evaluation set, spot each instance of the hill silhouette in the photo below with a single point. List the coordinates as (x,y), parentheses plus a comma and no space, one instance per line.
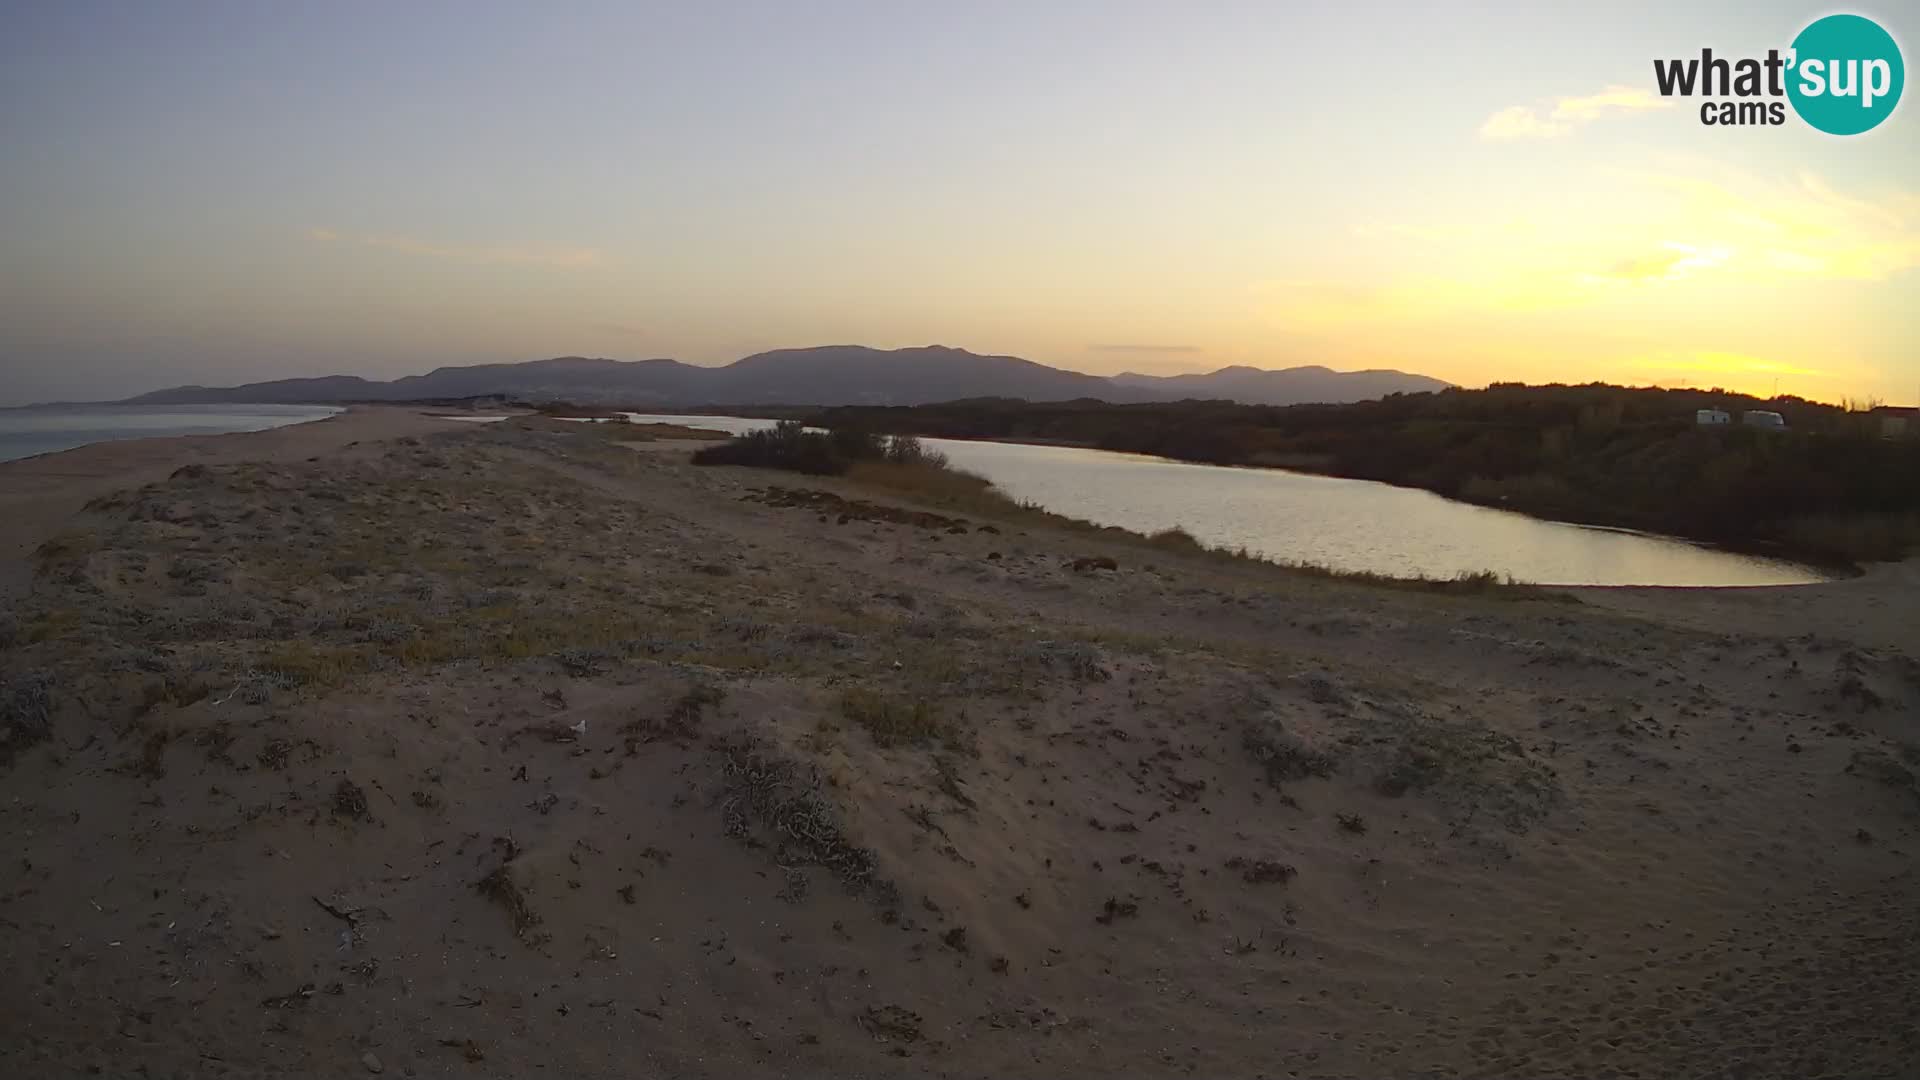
(825,375)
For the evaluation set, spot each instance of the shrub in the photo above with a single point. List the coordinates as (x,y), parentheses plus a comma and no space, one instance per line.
(1175,539)
(907,450)
(770,803)
(791,446)
(787,445)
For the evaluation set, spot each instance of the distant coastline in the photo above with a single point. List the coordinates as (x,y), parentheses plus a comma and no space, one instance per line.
(35,430)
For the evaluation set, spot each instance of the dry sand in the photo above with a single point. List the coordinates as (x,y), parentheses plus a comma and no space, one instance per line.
(378,746)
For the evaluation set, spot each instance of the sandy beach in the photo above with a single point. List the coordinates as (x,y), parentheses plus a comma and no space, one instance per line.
(391,744)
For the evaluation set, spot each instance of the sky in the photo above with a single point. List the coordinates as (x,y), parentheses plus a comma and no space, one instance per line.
(227,192)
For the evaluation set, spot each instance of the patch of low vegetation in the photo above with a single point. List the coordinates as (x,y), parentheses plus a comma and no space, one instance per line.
(300,663)
(1262,871)
(274,754)
(890,720)
(1283,755)
(350,801)
(793,447)
(890,1023)
(1476,770)
(938,485)
(358,569)
(499,887)
(769,802)
(26,714)
(845,510)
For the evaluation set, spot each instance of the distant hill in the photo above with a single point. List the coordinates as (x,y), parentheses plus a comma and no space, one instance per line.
(1311,385)
(827,375)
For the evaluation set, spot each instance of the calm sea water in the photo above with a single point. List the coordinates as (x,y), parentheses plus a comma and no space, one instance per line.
(1344,524)
(26,432)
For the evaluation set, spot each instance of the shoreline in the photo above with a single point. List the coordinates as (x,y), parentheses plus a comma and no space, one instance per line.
(335,410)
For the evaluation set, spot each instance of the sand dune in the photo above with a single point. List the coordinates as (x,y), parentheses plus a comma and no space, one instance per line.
(373,745)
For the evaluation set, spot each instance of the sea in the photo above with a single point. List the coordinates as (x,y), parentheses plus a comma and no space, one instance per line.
(48,429)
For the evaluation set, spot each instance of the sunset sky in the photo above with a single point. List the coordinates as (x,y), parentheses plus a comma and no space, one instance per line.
(227,192)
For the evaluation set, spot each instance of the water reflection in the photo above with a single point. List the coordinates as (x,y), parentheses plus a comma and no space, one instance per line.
(1344,524)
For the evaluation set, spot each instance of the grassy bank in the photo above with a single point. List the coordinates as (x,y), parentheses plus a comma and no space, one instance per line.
(900,466)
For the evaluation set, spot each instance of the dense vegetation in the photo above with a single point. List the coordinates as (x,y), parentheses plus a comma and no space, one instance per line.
(1829,487)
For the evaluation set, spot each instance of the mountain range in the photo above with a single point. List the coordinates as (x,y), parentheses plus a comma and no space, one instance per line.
(828,375)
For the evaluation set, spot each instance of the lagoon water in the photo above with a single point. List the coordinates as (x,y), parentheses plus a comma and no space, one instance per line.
(1345,524)
(47,429)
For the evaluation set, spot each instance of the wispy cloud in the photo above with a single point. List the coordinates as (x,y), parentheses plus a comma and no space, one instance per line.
(1802,228)
(1612,99)
(564,258)
(1160,349)
(1673,262)
(1563,116)
(1521,122)
(1714,229)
